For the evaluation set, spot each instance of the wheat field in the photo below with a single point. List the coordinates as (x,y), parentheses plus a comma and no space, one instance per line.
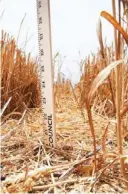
(91,120)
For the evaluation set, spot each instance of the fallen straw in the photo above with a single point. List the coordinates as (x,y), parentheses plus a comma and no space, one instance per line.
(88,179)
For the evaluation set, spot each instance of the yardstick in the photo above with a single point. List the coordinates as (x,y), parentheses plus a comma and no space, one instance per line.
(45,70)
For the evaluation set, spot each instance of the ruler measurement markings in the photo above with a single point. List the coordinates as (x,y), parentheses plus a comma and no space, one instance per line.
(45,68)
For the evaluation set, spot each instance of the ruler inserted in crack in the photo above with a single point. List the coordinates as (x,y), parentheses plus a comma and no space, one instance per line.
(46,72)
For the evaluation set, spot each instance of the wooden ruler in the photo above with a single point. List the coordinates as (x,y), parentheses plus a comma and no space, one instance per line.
(46,72)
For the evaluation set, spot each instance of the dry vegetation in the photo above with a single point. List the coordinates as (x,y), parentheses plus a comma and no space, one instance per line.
(91,121)
(19,78)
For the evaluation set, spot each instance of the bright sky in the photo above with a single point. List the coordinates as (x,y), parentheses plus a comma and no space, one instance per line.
(73,27)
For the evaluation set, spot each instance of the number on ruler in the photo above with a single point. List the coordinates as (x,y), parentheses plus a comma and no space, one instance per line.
(39,4)
(42,68)
(40,20)
(43,84)
(44,100)
(42,52)
(41,36)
